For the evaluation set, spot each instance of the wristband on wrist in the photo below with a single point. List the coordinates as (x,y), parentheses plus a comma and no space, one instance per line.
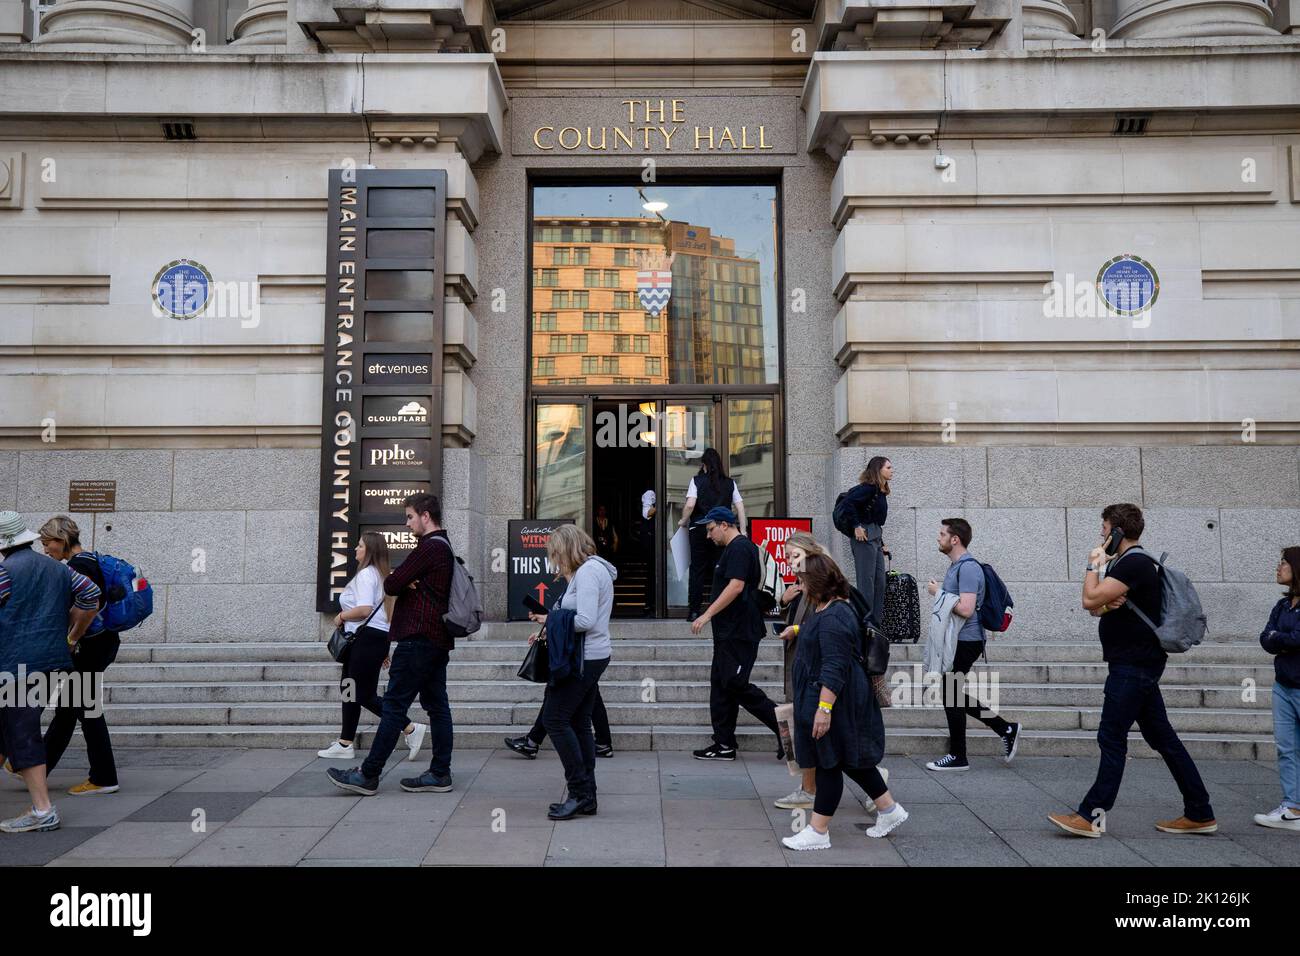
(822,705)
(796,630)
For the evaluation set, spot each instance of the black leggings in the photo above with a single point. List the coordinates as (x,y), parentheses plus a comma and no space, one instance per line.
(364,660)
(830,786)
(93,655)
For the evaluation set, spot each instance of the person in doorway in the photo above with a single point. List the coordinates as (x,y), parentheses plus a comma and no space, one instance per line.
(422,586)
(605,535)
(709,489)
(643,534)
(48,610)
(583,614)
(838,726)
(965,580)
(531,742)
(1281,638)
(870,501)
(737,630)
(1135,661)
(364,614)
(61,539)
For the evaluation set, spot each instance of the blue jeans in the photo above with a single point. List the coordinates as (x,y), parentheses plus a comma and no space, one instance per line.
(566,714)
(418,668)
(869,568)
(1286,730)
(1133,694)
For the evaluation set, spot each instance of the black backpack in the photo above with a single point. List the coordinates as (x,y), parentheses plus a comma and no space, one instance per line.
(844,516)
(872,652)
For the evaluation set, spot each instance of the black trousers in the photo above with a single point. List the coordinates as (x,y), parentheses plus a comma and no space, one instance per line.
(830,786)
(566,713)
(957,704)
(704,557)
(730,690)
(599,723)
(93,655)
(364,661)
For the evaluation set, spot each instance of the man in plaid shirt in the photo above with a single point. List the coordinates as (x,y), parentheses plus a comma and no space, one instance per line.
(422,584)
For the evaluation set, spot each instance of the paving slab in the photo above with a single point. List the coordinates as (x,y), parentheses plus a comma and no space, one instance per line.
(237,780)
(708,787)
(480,810)
(135,840)
(689,814)
(480,846)
(710,847)
(254,846)
(1168,849)
(1043,848)
(38,849)
(295,812)
(377,841)
(180,806)
(921,849)
(614,844)
(401,808)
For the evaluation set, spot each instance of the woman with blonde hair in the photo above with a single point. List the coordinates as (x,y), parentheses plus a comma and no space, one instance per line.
(61,539)
(365,614)
(582,615)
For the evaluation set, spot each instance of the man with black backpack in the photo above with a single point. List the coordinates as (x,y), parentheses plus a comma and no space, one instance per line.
(1136,658)
(966,579)
(423,586)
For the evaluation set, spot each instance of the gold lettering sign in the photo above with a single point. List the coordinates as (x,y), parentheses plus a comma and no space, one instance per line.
(651,126)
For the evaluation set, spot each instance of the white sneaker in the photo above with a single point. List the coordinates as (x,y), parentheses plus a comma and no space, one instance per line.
(1288,819)
(808,839)
(887,823)
(338,751)
(867,803)
(415,738)
(801,799)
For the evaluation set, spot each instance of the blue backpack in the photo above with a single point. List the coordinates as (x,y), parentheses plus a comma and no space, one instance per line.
(129,596)
(993,614)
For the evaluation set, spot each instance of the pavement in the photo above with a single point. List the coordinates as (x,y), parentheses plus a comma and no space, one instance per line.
(265,807)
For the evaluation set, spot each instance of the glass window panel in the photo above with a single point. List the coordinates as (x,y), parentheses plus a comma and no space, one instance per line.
(560,473)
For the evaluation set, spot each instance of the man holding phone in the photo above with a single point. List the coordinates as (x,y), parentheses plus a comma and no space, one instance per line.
(1136,660)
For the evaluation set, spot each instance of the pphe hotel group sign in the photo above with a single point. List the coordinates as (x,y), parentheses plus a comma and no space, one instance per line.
(382,410)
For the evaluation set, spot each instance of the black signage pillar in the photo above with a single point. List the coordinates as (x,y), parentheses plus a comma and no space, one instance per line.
(529,571)
(381,422)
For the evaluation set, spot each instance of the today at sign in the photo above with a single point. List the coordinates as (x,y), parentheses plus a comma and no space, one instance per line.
(653,125)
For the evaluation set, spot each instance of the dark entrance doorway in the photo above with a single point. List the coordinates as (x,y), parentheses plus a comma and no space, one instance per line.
(622,520)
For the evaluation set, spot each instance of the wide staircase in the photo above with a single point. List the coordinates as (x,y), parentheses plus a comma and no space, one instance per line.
(656,690)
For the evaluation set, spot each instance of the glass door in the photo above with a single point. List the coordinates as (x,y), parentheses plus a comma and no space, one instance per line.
(688,427)
(561,463)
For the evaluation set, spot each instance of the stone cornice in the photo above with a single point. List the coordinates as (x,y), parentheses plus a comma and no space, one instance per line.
(58,86)
(845,92)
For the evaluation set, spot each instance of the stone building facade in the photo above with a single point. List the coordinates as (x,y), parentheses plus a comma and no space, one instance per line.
(940,167)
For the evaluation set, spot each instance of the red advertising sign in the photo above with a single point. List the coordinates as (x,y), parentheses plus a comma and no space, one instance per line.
(771,534)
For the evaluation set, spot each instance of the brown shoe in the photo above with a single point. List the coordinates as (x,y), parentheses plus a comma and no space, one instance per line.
(1074,824)
(1184,825)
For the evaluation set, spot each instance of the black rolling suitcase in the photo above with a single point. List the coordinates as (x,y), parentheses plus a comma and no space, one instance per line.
(902,616)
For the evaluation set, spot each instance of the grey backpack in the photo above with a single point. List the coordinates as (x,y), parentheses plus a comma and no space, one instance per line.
(1182,622)
(464,607)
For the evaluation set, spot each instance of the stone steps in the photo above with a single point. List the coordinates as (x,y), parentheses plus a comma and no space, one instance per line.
(1062,743)
(285,694)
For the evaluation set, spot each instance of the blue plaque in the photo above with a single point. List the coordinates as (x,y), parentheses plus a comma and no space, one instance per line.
(182,289)
(1128,285)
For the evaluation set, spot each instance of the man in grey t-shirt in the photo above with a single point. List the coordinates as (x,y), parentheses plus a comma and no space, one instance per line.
(965,578)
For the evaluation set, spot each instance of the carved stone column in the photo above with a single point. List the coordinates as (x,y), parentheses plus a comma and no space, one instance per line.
(1049,20)
(264,23)
(1171,19)
(128,22)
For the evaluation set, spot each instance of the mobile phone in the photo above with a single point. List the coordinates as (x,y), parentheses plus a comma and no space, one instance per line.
(534,605)
(1113,542)
(778,627)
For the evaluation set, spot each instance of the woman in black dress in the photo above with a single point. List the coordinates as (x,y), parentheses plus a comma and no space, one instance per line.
(838,727)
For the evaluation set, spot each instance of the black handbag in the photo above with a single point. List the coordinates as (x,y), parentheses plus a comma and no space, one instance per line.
(537,662)
(340,641)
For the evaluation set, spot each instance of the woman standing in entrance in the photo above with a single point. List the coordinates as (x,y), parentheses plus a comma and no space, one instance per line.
(708,489)
(869,499)
(368,652)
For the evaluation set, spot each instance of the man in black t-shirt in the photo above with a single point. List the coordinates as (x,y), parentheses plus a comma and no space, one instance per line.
(737,629)
(1135,660)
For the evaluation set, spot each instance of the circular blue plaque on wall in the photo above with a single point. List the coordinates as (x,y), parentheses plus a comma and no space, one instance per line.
(1128,285)
(182,288)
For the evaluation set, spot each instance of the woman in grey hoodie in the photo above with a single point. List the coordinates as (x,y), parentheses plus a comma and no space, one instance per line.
(566,713)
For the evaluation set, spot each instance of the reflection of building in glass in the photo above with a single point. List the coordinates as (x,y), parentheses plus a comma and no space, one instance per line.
(589,327)
(561,461)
